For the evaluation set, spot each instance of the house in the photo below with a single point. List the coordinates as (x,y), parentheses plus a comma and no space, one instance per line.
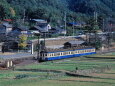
(37,29)
(23,29)
(61,31)
(41,28)
(42,24)
(73,43)
(5,28)
(16,31)
(57,31)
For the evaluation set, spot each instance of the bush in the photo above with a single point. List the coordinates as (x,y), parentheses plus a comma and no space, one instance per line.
(21,76)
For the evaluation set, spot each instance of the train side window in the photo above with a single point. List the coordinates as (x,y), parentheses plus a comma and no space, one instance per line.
(52,54)
(69,52)
(43,54)
(58,54)
(55,54)
(82,51)
(79,51)
(88,51)
(74,52)
(62,53)
(49,55)
(85,51)
(46,55)
(66,53)
(92,50)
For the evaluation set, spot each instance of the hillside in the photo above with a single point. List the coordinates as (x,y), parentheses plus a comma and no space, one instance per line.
(54,10)
(49,9)
(105,7)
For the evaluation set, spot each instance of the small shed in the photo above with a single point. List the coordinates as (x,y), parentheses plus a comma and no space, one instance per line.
(73,44)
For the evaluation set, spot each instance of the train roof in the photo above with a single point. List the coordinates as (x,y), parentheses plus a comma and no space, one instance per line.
(49,50)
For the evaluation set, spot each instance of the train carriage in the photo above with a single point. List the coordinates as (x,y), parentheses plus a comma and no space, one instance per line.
(56,54)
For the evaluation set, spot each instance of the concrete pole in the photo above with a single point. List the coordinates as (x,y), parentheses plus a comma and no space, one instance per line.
(8,64)
(32,48)
(11,63)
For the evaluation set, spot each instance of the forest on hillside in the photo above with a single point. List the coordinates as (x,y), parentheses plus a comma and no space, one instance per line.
(54,10)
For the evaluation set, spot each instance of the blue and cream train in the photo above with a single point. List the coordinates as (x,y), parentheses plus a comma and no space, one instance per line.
(49,54)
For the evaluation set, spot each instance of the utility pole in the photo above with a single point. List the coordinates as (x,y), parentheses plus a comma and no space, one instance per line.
(39,46)
(95,16)
(24,16)
(95,25)
(44,41)
(65,24)
(103,25)
(73,27)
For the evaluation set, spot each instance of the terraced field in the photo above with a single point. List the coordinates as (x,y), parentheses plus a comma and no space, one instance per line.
(20,77)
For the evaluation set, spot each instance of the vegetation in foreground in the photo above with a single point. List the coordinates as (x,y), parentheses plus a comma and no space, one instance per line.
(30,78)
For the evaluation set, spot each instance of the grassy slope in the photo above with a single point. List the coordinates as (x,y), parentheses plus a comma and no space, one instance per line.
(101,79)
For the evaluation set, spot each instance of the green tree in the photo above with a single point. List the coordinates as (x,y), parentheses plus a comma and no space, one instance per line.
(92,27)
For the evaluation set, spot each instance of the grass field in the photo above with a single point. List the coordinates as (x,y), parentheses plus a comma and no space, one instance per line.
(34,78)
